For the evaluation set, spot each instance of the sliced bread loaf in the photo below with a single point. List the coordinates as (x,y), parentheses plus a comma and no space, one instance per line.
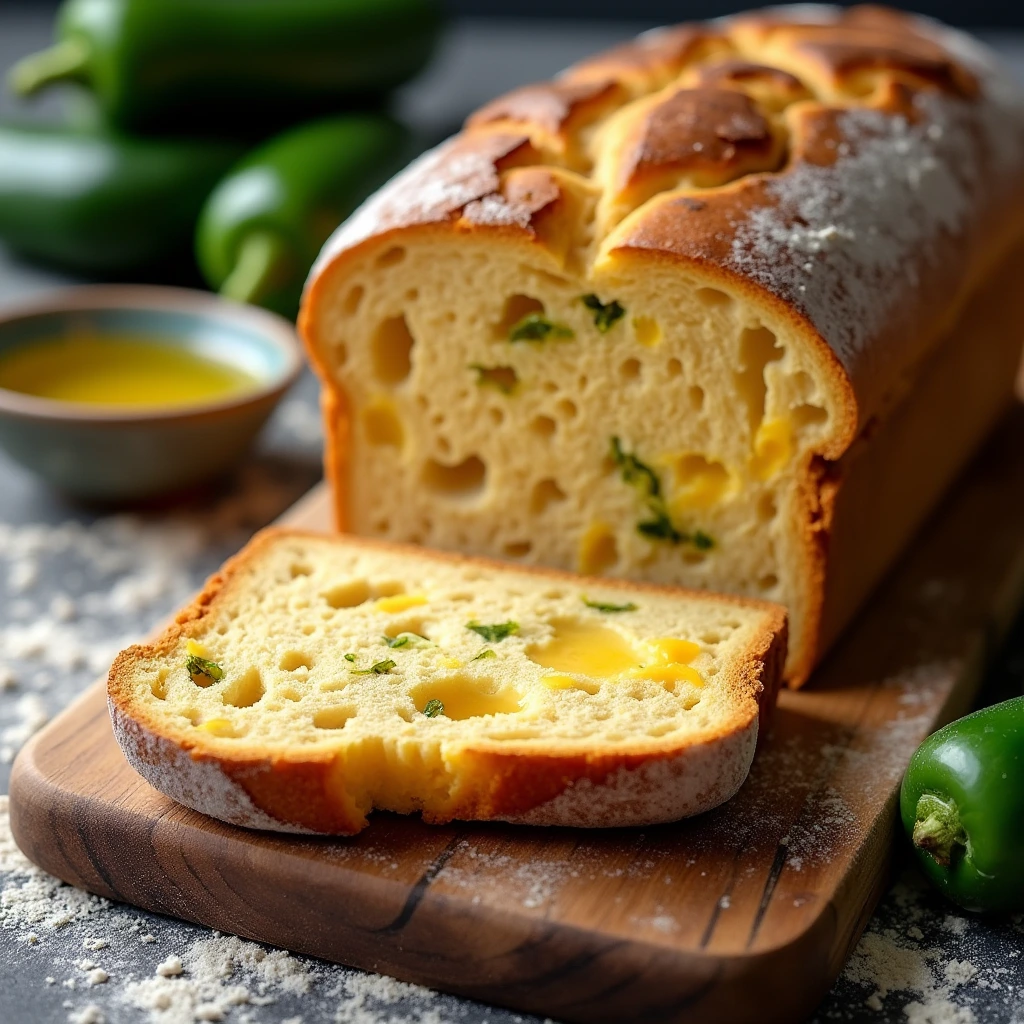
(694,312)
(317,678)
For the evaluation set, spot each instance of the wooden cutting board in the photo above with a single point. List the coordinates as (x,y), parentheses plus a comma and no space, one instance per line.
(744,914)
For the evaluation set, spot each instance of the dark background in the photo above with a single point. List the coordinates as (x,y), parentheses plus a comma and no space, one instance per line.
(973,13)
(978,13)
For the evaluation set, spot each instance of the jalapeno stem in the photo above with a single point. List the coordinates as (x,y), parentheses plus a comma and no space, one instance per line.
(261,257)
(938,828)
(66,61)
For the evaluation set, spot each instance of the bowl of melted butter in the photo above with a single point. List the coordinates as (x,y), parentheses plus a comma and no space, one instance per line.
(123,393)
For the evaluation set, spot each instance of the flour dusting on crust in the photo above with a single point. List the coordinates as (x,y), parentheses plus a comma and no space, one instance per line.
(657,791)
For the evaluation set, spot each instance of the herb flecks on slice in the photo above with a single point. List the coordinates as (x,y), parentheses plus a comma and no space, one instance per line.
(433,708)
(608,608)
(538,327)
(496,632)
(381,668)
(350,657)
(485,653)
(407,639)
(646,482)
(501,378)
(702,541)
(199,666)
(606,314)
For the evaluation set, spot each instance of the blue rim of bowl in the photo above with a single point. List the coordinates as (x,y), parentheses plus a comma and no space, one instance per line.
(279,331)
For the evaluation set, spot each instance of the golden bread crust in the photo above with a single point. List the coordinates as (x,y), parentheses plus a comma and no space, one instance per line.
(248,785)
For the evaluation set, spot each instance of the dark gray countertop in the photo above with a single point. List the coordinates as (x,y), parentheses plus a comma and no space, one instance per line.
(76,583)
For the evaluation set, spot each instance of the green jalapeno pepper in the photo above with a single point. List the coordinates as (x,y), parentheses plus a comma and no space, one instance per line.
(102,204)
(265,223)
(232,66)
(962,805)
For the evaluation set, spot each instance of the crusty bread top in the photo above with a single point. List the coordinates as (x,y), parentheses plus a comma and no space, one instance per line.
(860,170)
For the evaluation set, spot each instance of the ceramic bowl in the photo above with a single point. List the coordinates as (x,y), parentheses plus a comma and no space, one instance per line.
(109,454)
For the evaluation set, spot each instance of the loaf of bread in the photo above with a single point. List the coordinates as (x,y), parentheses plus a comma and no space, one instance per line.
(726,307)
(317,678)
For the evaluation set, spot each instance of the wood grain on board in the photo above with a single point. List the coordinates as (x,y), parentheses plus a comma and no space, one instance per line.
(744,914)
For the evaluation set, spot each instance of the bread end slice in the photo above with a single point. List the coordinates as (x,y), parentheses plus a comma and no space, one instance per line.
(315,679)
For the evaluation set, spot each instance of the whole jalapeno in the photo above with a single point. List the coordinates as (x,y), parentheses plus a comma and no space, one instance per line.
(962,805)
(234,67)
(266,221)
(100,203)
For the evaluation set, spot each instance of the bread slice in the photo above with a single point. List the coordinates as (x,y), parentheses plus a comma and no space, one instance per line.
(317,678)
(641,320)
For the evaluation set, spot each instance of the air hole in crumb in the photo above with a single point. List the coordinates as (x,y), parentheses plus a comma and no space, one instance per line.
(803,383)
(694,557)
(300,569)
(544,493)
(497,416)
(696,397)
(288,693)
(713,297)
(389,588)
(382,525)
(581,382)
(567,407)
(808,416)
(391,353)
(353,299)
(246,690)
(291,660)
(504,378)
(674,367)
(307,629)
(768,582)
(444,446)
(647,331)
(333,718)
(347,594)
(758,348)
(382,425)
(543,426)
(412,295)
(630,369)
(190,715)
(711,637)
(518,548)
(391,257)
(550,387)
(466,479)
(661,729)
(159,685)
(766,508)
(516,307)
(599,550)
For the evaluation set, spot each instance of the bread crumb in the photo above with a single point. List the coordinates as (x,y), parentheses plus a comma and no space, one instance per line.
(171,967)
(97,976)
(147,938)
(90,1014)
